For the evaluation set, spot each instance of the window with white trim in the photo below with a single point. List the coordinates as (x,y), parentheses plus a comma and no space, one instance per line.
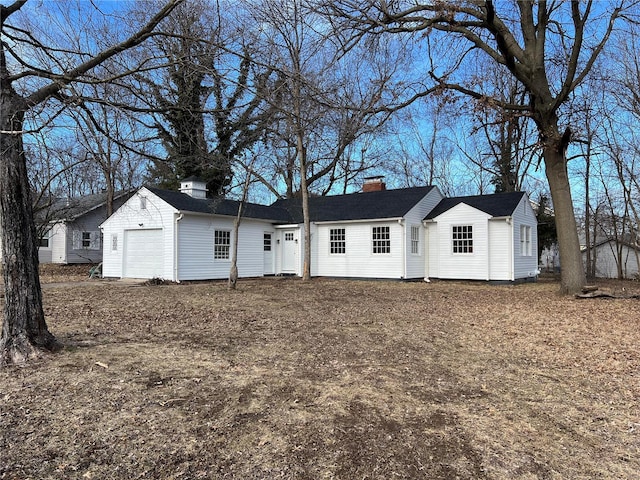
(381,239)
(337,241)
(267,242)
(221,244)
(525,240)
(114,242)
(462,238)
(415,239)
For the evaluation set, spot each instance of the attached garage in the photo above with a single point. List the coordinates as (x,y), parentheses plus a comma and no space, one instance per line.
(143,253)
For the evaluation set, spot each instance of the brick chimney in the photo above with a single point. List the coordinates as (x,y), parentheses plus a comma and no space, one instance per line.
(374,184)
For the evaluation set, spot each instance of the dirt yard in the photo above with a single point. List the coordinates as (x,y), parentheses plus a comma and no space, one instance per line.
(326,380)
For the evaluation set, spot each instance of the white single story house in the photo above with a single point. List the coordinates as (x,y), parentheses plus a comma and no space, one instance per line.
(409,233)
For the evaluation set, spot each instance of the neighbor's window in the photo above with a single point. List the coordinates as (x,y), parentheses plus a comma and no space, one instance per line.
(221,244)
(114,243)
(381,238)
(415,239)
(44,240)
(525,240)
(462,239)
(143,203)
(86,240)
(337,241)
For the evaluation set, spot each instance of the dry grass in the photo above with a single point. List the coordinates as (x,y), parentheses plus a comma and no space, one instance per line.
(327,379)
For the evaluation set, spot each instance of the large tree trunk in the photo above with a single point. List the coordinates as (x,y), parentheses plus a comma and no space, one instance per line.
(572,273)
(24,330)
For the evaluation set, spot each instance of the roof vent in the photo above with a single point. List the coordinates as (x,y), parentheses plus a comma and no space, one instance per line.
(194,187)
(374,184)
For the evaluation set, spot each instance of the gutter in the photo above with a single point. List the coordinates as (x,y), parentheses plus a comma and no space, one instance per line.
(366,220)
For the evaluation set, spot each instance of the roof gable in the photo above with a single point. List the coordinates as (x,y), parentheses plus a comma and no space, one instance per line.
(356,206)
(495,205)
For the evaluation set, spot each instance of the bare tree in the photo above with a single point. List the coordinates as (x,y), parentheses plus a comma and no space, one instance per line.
(548,47)
(206,105)
(31,73)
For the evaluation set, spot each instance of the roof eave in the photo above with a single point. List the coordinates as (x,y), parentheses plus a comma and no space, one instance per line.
(360,220)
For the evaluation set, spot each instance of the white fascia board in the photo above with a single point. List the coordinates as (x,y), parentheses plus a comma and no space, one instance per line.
(289,225)
(370,220)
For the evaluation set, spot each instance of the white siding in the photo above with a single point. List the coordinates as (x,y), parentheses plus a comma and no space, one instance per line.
(58,243)
(606,265)
(359,261)
(195,251)
(525,266)
(467,266)
(500,250)
(415,264)
(130,216)
(433,253)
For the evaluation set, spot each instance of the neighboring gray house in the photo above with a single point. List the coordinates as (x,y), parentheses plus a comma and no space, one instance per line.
(610,254)
(378,233)
(70,230)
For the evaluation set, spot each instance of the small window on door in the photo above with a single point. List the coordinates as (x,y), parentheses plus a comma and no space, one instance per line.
(288,237)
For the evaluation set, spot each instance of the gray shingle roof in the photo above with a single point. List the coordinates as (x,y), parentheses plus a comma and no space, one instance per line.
(356,206)
(219,206)
(496,205)
(69,209)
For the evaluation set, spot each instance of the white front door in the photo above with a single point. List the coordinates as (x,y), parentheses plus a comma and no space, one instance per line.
(268,254)
(290,250)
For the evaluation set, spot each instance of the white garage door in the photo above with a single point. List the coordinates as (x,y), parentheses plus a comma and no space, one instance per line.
(143,254)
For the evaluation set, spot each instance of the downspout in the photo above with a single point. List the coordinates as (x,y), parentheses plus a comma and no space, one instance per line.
(511,249)
(488,250)
(425,229)
(175,249)
(404,248)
